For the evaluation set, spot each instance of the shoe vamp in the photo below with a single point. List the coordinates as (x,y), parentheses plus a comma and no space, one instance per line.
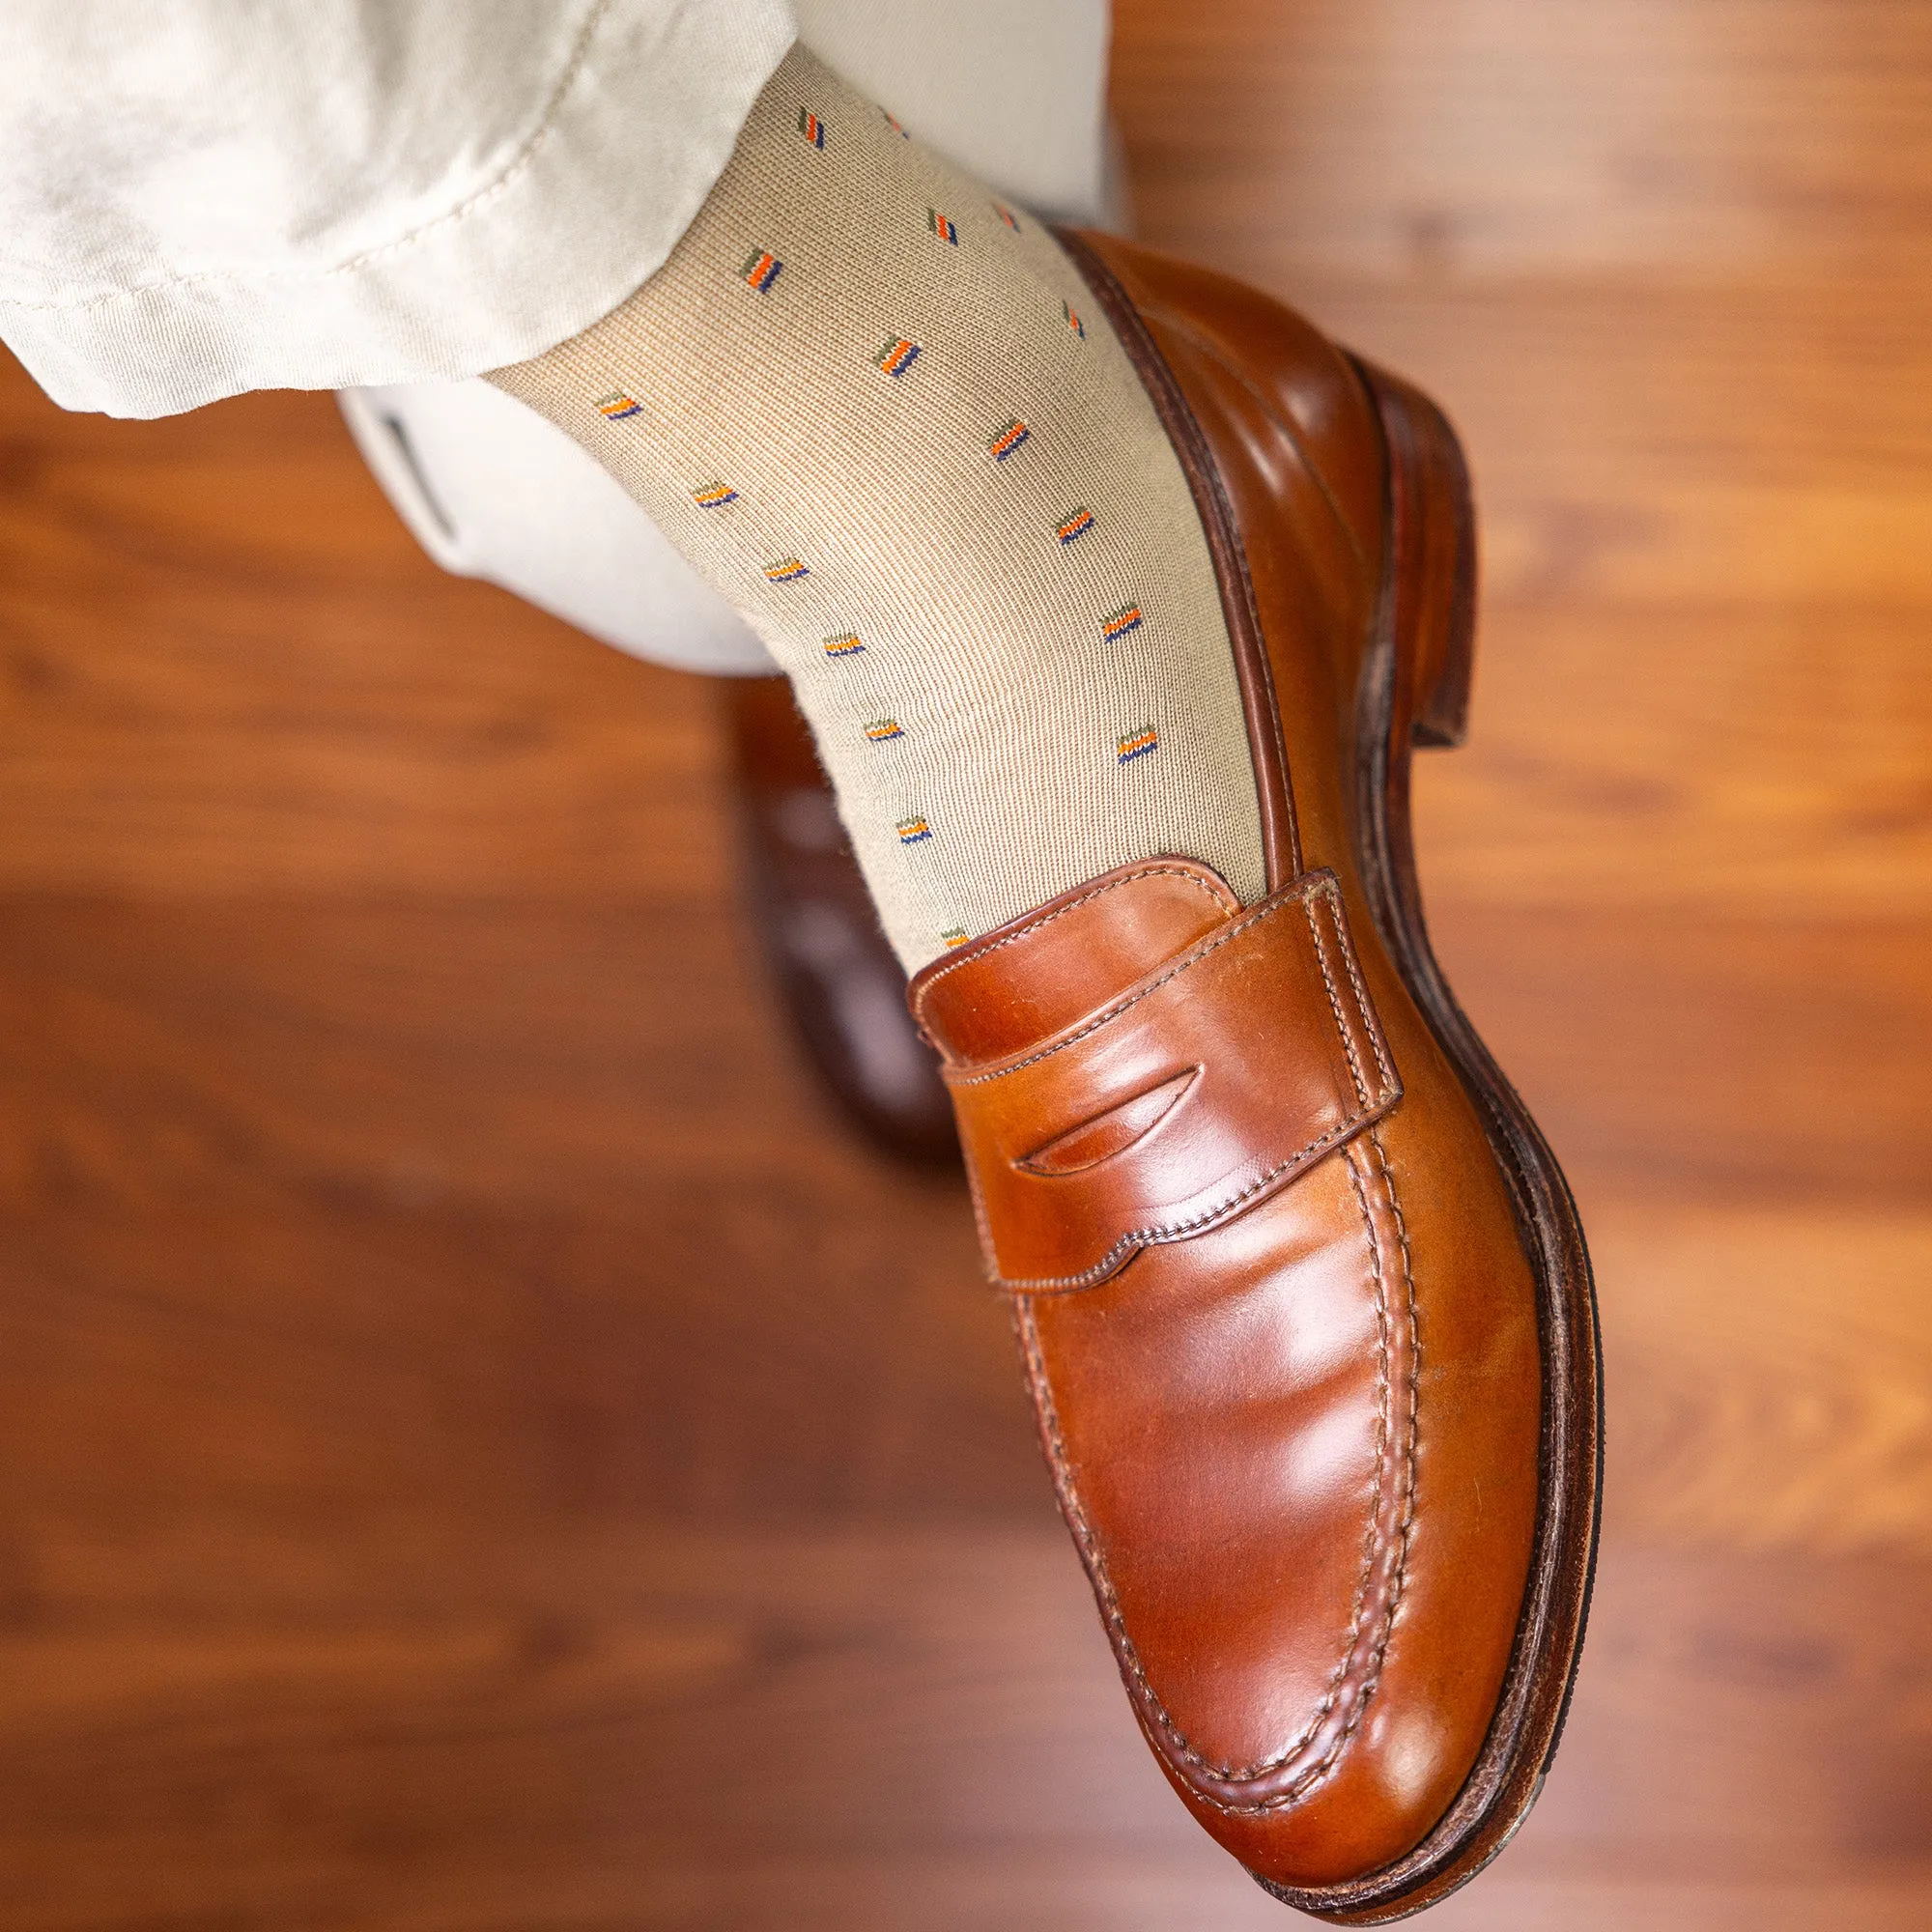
(1223,1412)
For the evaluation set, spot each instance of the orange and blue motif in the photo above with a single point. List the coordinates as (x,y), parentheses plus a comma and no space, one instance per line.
(1137,744)
(897,355)
(881,729)
(762,269)
(786,570)
(714,496)
(894,122)
(1073,321)
(845,645)
(1074,526)
(912,830)
(1006,215)
(943,226)
(1117,623)
(616,406)
(812,127)
(954,935)
(1007,439)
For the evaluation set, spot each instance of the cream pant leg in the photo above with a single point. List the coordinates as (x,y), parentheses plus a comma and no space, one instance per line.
(388,199)
(1012,89)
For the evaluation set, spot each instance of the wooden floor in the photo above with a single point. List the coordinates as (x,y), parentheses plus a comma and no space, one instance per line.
(480,1449)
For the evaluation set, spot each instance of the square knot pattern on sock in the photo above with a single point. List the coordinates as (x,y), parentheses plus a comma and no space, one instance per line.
(762,269)
(1004,442)
(1137,744)
(942,511)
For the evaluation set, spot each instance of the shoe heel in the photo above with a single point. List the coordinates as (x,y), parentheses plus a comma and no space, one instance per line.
(1434,537)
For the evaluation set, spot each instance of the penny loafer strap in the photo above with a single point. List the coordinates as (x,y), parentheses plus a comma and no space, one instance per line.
(1201,1090)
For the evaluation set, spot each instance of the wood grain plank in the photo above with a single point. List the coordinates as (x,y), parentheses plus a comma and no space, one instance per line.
(227,670)
(537,1715)
(1410,138)
(482,1449)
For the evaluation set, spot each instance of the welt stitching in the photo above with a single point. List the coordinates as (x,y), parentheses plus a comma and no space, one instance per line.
(1410,1446)
(1384,1400)
(1370,1025)
(1096,1565)
(518,164)
(1114,1012)
(1047,919)
(1334,1003)
(1414,1336)
(1110,1602)
(1384,1418)
(1314,1774)
(1373,1676)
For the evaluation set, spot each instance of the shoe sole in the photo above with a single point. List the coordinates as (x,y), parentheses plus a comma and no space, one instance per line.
(1415,691)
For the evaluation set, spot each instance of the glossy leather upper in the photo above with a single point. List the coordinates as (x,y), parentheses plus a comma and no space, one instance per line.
(1278,1322)
(1184,1100)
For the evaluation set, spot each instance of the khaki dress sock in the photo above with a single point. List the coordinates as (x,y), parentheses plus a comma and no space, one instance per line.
(873,403)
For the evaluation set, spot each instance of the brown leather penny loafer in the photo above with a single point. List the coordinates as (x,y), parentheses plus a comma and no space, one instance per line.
(843,988)
(1301,1293)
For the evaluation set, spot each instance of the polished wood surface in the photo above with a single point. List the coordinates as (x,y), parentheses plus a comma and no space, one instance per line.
(482,1449)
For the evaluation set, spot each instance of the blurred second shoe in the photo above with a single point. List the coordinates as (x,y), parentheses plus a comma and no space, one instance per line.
(844,988)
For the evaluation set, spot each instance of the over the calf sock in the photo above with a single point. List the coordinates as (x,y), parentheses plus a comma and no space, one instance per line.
(873,405)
